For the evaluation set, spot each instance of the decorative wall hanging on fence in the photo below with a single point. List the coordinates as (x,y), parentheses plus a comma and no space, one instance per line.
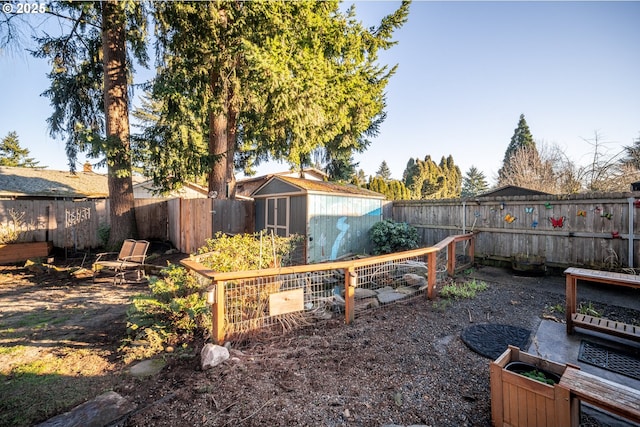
(606,215)
(534,224)
(557,222)
(582,213)
(597,209)
(548,205)
(637,203)
(615,235)
(528,210)
(509,218)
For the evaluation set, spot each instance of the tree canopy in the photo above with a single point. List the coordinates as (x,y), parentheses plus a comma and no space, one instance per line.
(13,154)
(427,180)
(262,80)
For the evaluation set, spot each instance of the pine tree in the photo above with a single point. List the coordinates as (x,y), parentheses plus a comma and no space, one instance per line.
(263,80)
(521,139)
(90,76)
(12,154)
(474,183)
(383,171)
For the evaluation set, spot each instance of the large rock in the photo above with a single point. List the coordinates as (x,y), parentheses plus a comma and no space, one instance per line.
(98,412)
(213,355)
(414,279)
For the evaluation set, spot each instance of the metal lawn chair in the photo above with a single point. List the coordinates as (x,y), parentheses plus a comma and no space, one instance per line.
(131,257)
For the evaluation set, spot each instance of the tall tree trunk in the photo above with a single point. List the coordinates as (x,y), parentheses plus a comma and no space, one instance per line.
(116,100)
(232,124)
(218,139)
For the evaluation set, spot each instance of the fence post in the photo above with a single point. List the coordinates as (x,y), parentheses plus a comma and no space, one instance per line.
(431,273)
(451,258)
(215,297)
(350,283)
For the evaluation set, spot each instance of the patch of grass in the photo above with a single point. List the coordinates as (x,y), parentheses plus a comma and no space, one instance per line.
(38,389)
(14,349)
(468,289)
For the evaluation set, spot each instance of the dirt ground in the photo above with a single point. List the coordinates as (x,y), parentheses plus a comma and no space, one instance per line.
(402,364)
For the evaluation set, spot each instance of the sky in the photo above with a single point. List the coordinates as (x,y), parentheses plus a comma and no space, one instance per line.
(466,72)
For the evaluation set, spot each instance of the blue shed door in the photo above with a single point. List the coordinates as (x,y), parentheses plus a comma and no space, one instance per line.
(277,215)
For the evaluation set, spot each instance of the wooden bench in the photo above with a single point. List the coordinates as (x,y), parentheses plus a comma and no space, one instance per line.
(612,397)
(598,324)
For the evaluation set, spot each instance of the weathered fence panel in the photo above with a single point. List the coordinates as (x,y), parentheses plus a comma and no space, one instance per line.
(593,230)
(186,223)
(66,224)
(193,221)
(152,218)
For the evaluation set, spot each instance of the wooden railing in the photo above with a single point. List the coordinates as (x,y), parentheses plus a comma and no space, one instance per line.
(216,292)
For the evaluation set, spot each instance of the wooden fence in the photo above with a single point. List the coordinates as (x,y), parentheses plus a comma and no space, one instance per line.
(592,230)
(186,223)
(192,221)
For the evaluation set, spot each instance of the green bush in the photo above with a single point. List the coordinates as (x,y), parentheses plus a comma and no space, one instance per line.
(175,311)
(244,252)
(388,236)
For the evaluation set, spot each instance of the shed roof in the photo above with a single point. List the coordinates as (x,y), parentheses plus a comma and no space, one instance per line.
(36,182)
(316,187)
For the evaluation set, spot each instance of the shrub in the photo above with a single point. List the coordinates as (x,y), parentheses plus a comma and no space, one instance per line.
(175,312)
(247,251)
(388,236)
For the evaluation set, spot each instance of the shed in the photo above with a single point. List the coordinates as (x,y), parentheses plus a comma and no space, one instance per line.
(333,218)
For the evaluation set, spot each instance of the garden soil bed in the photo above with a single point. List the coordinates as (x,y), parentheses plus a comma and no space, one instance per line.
(402,364)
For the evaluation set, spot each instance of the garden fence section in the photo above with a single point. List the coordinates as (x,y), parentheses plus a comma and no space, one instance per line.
(186,223)
(593,230)
(244,302)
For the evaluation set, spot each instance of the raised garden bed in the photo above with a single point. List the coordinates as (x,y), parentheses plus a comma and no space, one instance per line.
(518,399)
(19,252)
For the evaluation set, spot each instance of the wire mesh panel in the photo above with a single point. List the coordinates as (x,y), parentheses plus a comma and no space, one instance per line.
(286,297)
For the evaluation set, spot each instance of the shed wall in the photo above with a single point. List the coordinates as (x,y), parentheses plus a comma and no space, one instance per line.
(339,225)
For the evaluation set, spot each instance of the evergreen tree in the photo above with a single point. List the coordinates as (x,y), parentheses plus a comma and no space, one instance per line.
(12,154)
(340,170)
(427,180)
(91,68)
(392,189)
(383,171)
(359,179)
(632,155)
(263,80)
(378,185)
(521,138)
(474,183)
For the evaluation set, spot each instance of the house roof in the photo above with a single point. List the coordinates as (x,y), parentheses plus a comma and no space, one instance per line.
(512,190)
(35,182)
(314,186)
(246,187)
(188,189)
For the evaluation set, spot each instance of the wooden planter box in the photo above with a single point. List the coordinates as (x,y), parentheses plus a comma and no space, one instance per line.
(19,252)
(519,401)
